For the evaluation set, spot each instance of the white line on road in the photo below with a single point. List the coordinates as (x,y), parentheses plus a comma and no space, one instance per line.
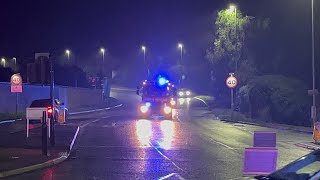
(166,157)
(221,144)
(201,101)
(86,124)
(171,175)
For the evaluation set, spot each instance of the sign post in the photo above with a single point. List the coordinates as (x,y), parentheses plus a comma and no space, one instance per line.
(231,82)
(16,87)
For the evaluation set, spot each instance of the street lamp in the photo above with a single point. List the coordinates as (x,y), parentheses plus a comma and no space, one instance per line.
(180,45)
(313,108)
(102,51)
(3,62)
(15,63)
(68,53)
(233,8)
(144,49)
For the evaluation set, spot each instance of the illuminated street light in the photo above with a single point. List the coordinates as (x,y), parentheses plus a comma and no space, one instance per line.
(180,45)
(232,8)
(3,62)
(144,49)
(102,51)
(15,63)
(68,52)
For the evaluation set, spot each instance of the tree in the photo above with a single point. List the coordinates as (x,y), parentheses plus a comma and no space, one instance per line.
(230,31)
(236,39)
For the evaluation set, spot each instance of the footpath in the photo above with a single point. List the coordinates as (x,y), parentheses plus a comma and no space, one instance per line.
(19,154)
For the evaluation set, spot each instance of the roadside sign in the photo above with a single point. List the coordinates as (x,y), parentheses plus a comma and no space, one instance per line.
(316,131)
(231,81)
(16,83)
(264,139)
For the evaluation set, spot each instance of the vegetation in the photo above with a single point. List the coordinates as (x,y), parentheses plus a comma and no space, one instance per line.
(238,48)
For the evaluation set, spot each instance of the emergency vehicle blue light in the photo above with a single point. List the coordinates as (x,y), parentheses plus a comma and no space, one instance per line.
(162,81)
(148,104)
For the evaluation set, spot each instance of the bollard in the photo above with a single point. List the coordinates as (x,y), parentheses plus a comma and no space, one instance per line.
(44,134)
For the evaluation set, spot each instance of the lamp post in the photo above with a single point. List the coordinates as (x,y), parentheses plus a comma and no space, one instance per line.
(3,60)
(15,63)
(102,51)
(180,46)
(68,52)
(313,108)
(233,8)
(144,49)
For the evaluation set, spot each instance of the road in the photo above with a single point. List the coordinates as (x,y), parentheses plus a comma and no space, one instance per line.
(116,145)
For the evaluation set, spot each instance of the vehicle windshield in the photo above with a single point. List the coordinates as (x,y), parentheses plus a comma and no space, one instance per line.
(303,168)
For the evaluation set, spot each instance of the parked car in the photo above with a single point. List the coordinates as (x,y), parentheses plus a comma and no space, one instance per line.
(304,168)
(58,106)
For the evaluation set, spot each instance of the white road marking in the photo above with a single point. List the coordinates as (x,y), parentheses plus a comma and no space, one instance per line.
(171,175)
(166,157)
(218,142)
(86,124)
(201,101)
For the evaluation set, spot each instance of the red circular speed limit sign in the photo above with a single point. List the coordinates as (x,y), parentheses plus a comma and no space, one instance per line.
(16,80)
(231,82)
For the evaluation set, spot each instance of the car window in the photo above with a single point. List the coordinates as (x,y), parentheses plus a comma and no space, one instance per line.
(303,168)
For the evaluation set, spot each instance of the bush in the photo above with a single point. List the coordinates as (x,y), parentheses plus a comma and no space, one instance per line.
(276,98)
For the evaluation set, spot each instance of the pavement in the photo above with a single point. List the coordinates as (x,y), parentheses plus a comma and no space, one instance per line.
(115,144)
(19,154)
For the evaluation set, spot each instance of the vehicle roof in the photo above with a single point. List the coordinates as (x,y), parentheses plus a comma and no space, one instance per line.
(41,103)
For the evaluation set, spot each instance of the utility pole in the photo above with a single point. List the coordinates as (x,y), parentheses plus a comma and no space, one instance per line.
(52,133)
(313,109)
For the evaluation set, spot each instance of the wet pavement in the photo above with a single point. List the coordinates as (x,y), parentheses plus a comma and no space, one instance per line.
(117,145)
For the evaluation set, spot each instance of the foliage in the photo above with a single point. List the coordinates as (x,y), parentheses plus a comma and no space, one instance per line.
(230,35)
(276,98)
(237,46)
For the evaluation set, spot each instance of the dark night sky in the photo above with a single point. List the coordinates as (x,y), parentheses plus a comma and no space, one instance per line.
(123,25)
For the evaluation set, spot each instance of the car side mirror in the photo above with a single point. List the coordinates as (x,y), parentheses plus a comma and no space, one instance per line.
(138,89)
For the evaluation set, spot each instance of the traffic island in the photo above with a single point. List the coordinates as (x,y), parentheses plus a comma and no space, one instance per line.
(19,155)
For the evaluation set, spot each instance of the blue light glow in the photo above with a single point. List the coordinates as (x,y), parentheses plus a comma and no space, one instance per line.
(162,81)
(148,104)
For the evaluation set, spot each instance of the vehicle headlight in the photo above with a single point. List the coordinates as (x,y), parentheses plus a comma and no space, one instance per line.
(181,93)
(144,109)
(173,102)
(167,109)
(188,93)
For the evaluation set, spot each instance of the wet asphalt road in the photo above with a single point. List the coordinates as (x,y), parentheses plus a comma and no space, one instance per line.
(117,145)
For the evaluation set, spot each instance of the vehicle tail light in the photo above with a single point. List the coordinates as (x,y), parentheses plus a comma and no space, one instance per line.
(167,110)
(50,111)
